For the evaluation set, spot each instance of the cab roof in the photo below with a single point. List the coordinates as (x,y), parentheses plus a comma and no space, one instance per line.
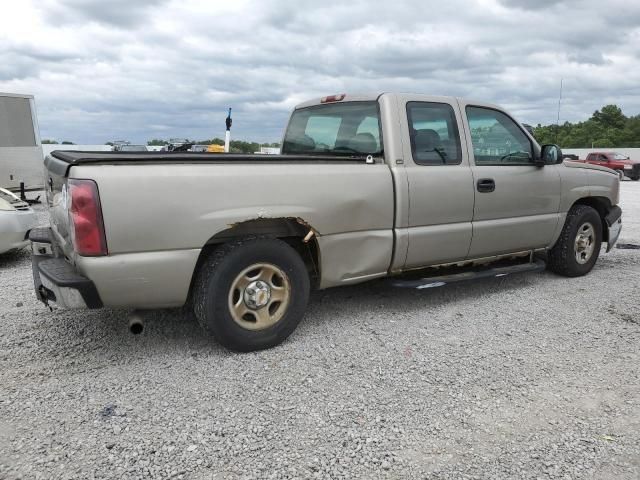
(372,97)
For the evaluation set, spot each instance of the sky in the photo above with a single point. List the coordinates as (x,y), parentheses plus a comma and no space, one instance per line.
(105,70)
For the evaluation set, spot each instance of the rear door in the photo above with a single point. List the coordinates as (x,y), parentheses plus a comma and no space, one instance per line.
(439,180)
(516,203)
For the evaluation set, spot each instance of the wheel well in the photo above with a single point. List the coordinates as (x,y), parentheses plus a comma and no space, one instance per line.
(602,205)
(293,231)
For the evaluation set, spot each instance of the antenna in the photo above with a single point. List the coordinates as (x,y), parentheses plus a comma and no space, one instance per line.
(558,119)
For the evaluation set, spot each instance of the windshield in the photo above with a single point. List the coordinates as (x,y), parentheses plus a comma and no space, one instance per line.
(337,129)
(619,156)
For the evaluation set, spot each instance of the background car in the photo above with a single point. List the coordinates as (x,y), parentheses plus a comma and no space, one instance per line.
(16,220)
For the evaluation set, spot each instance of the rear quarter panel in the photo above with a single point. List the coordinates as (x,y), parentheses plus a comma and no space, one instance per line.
(158,217)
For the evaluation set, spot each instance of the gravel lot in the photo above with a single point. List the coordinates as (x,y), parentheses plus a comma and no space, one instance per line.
(533,376)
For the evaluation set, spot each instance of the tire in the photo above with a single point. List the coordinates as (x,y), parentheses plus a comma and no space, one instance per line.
(636,178)
(251,294)
(581,237)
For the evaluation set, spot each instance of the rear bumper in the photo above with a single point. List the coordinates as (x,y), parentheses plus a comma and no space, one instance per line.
(614,225)
(55,279)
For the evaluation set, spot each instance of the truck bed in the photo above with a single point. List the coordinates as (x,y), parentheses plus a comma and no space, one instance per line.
(160,209)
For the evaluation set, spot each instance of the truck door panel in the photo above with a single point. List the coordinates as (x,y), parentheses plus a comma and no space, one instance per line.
(520,212)
(440,181)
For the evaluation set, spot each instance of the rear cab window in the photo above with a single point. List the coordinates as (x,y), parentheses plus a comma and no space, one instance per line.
(341,129)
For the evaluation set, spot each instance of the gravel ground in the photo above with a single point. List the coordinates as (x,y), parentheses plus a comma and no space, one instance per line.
(533,376)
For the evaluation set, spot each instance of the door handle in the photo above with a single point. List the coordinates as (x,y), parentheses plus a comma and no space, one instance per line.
(486,185)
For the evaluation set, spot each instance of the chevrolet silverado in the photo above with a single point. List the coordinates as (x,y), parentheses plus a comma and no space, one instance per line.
(367,186)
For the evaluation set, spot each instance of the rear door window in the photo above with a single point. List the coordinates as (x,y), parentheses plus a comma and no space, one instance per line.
(433,132)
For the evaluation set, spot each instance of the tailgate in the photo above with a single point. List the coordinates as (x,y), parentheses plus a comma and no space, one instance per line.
(55,182)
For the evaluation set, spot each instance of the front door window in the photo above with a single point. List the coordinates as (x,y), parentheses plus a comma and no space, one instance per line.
(497,139)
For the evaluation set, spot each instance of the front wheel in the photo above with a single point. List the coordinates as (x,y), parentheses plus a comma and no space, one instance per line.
(577,250)
(252,293)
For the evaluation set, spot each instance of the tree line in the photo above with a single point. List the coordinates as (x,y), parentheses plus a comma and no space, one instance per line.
(55,142)
(607,127)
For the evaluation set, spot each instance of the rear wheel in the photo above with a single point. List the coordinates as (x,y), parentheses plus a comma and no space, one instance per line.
(635,178)
(577,250)
(252,293)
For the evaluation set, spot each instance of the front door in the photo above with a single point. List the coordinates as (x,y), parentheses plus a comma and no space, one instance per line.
(516,202)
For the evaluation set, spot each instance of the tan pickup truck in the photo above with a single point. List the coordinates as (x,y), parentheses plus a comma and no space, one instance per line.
(366,187)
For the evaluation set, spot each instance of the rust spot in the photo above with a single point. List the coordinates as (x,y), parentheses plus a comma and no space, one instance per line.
(312,231)
(260,217)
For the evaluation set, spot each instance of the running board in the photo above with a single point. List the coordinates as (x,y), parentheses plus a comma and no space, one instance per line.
(432,282)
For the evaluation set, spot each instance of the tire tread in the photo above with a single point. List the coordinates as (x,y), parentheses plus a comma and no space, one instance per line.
(215,268)
(560,259)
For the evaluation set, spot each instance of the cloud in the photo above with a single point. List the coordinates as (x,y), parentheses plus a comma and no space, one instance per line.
(535,5)
(114,13)
(103,70)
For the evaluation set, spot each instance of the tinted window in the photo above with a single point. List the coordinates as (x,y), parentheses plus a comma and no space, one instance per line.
(497,139)
(337,128)
(434,134)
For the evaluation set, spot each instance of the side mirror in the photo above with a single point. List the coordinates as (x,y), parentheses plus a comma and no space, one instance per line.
(550,154)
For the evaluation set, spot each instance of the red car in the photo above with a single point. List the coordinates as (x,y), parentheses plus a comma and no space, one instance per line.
(615,161)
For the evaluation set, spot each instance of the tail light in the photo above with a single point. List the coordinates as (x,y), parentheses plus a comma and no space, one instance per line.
(85,212)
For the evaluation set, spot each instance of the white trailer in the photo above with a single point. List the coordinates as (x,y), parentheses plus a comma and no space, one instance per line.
(21,159)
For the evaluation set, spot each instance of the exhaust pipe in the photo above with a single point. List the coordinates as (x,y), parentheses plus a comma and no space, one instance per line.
(136,324)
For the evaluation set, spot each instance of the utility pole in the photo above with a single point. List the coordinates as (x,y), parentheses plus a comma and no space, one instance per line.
(558,119)
(227,135)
